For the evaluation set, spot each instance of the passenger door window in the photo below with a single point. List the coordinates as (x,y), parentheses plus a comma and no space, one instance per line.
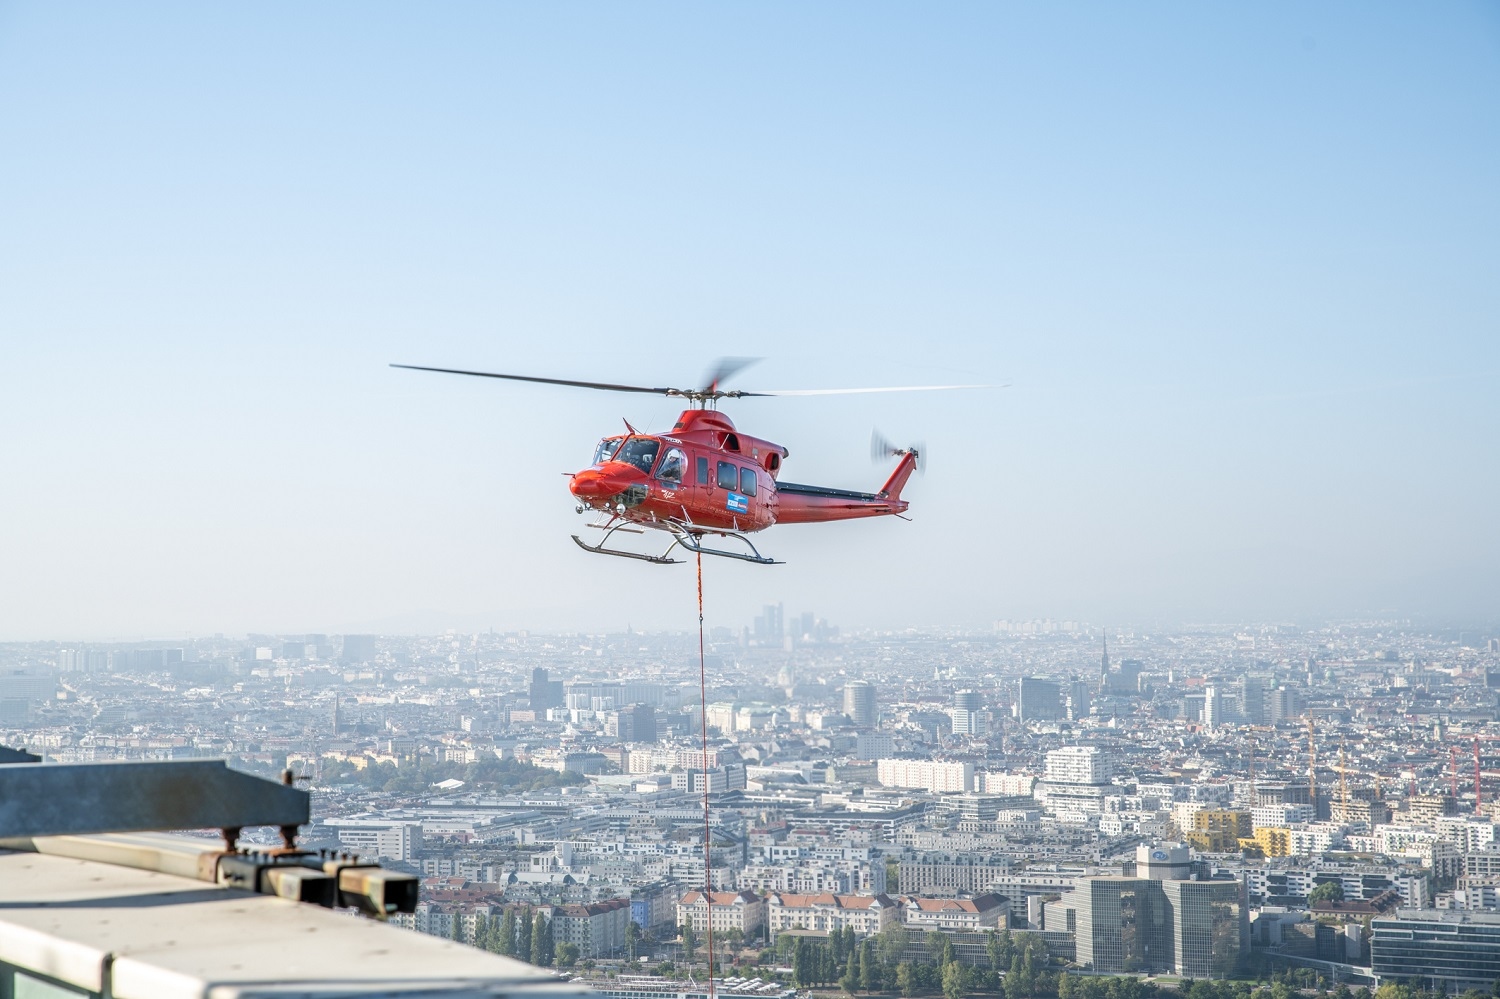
(729,476)
(747,482)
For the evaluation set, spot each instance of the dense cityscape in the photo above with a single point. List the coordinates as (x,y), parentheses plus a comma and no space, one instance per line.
(1043,808)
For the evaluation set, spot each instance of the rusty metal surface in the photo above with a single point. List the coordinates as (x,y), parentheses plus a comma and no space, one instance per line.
(44,799)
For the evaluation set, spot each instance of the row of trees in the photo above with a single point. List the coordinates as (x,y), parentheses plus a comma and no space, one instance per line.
(1017,966)
(523,933)
(508,774)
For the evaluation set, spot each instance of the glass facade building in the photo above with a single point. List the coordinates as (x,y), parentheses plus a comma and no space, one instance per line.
(1192,928)
(1446,951)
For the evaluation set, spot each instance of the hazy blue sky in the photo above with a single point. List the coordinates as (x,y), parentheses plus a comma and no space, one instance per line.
(1241,264)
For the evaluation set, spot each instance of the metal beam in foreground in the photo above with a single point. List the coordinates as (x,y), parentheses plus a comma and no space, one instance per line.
(52,799)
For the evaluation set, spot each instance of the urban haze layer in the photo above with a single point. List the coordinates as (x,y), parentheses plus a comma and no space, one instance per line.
(1007,810)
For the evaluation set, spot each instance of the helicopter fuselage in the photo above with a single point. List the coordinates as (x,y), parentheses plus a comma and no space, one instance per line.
(704,476)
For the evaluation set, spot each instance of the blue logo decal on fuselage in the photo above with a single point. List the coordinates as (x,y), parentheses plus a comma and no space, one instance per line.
(738,503)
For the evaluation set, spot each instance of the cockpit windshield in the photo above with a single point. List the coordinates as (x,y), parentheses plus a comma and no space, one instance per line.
(607,449)
(640,452)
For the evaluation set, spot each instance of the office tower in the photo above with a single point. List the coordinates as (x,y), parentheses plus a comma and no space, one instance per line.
(1078,700)
(1127,679)
(1253,700)
(544,693)
(1213,707)
(358,648)
(1285,705)
(769,630)
(1104,677)
(967,713)
(859,703)
(638,723)
(1038,700)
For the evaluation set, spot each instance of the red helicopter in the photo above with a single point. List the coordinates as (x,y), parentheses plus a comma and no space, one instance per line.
(704,477)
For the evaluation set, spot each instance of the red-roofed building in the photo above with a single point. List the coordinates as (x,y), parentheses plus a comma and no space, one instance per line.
(955,915)
(826,912)
(730,910)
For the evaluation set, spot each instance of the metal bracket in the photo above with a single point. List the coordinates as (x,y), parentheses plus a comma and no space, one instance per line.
(50,799)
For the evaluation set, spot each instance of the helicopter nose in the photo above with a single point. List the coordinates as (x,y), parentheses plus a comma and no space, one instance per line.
(603,481)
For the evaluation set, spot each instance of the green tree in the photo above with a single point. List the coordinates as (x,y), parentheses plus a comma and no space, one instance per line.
(955,980)
(890,944)
(567,955)
(906,980)
(481,930)
(689,942)
(1327,891)
(456,932)
(542,945)
(869,967)
(508,933)
(525,927)
(632,938)
(1064,986)
(849,981)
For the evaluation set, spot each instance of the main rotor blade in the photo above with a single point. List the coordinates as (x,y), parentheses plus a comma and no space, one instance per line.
(603,386)
(888,388)
(725,369)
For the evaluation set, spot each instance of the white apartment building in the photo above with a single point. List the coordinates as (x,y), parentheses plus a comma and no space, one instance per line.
(597,929)
(1281,816)
(955,915)
(998,782)
(393,840)
(825,913)
(1079,765)
(729,910)
(929,775)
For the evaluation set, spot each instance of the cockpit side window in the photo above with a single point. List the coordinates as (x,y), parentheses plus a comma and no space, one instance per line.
(640,452)
(606,449)
(673,465)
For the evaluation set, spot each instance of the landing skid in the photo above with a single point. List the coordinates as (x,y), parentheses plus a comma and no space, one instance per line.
(599,549)
(694,543)
(689,540)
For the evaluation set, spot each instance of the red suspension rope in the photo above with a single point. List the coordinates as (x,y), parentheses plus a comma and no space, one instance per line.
(707,836)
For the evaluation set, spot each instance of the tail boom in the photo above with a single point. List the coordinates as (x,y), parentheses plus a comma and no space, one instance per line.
(798,504)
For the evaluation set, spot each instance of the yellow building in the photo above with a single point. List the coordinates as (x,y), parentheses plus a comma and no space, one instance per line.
(1219,830)
(1270,841)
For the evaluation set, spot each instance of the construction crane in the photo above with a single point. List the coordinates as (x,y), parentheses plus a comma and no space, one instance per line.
(1343,783)
(1312,765)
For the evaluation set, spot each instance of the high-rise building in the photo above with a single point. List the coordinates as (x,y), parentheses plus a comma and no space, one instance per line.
(1078,700)
(1196,929)
(859,703)
(1078,765)
(1213,706)
(1253,700)
(769,629)
(1284,705)
(637,723)
(1038,700)
(544,693)
(967,713)
(358,648)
